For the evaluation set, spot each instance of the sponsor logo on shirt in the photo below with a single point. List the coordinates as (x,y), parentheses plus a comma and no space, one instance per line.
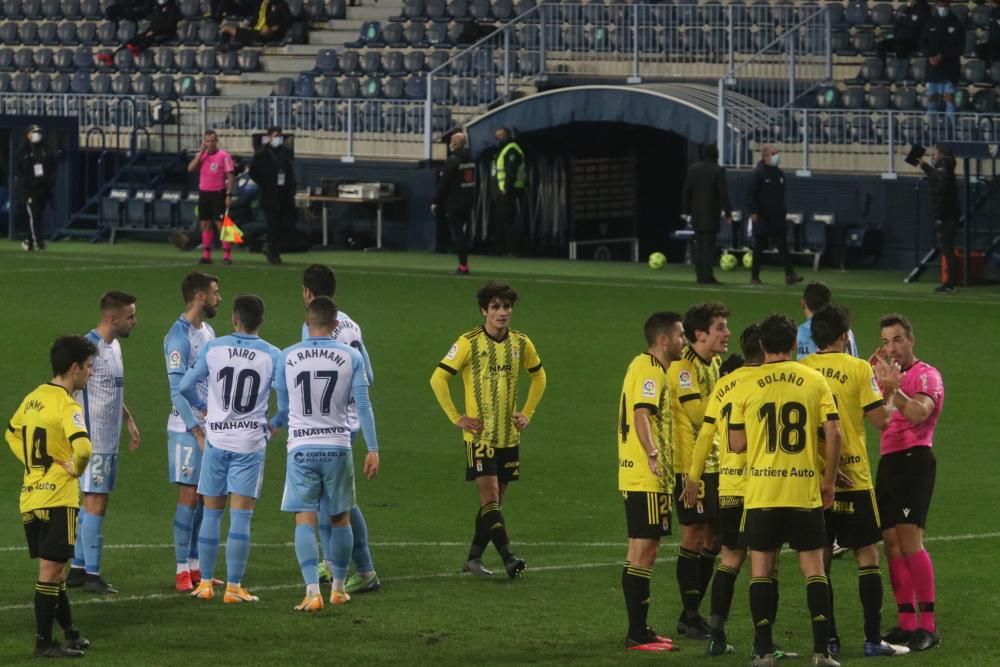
(175,360)
(649,388)
(78,419)
(685,380)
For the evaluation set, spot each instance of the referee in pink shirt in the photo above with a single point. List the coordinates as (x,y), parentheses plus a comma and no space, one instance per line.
(216,176)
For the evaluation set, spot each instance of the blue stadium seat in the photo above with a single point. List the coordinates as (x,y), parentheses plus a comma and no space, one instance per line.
(86,33)
(100,84)
(693,41)
(527,36)
(415,10)
(124,61)
(716,41)
(60,83)
(973,71)
(836,129)
(190,9)
(479,10)
(785,13)
(872,70)
(8,34)
(126,31)
(763,37)
(20,83)
(961,11)
(437,36)
(91,10)
(348,88)
(304,86)
(857,13)
(208,33)
(853,97)
(414,61)
(80,83)
(66,34)
(227,62)
(314,10)
(70,10)
(326,87)
(31,9)
(12,10)
(205,61)
(416,35)
(394,119)
(760,13)
(185,60)
(984,101)
(27,33)
(142,85)
(40,83)
(187,33)
(62,60)
(24,60)
(44,60)
(83,60)
(904,98)
(371,35)
(393,35)
(522,7)
(458,9)
(371,63)
(863,41)
(349,62)
(121,84)
(441,91)
(438,59)
(6,59)
(205,86)
(394,88)
(503,10)
(48,34)
(392,63)
(529,63)
(284,87)
(415,88)
(163,87)
(882,14)
(244,116)
(371,88)
(980,16)
(574,37)
(970,43)
(918,70)
(878,97)
(107,34)
(249,60)
(336,9)
(962,99)
(326,63)
(828,97)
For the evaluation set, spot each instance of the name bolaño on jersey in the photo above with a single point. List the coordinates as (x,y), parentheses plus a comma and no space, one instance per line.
(645,386)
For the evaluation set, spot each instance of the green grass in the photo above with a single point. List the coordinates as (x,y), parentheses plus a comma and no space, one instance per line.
(565,516)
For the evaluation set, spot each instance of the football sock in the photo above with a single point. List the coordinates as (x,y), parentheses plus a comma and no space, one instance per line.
(308,553)
(93,542)
(922,574)
(238,545)
(774,596)
(481,538)
(341,543)
(208,538)
(902,590)
(79,549)
(635,586)
(818,601)
(832,616)
(206,243)
(492,520)
(199,511)
(46,602)
(64,614)
(182,533)
(324,525)
(361,555)
(227,250)
(760,610)
(870,590)
(689,580)
(723,587)
(706,568)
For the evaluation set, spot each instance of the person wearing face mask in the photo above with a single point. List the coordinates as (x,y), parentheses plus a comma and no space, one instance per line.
(906,30)
(36,175)
(510,177)
(944,201)
(943,41)
(273,171)
(456,193)
(768,223)
(163,17)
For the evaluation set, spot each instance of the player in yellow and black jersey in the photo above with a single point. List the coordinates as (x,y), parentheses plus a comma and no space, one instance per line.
(853,521)
(48,435)
(787,484)
(692,379)
(490,358)
(645,469)
(732,468)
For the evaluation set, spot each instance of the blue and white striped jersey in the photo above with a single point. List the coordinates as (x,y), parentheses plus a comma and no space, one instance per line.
(349,333)
(239,369)
(181,347)
(104,397)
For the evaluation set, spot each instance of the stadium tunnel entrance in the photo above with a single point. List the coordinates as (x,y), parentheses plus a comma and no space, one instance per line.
(606,163)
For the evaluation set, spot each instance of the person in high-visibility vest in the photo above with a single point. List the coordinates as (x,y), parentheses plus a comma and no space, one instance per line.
(510,177)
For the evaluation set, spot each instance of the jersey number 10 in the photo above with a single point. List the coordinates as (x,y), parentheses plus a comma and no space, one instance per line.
(247,385)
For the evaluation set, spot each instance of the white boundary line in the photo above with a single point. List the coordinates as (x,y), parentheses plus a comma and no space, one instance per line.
(102,267)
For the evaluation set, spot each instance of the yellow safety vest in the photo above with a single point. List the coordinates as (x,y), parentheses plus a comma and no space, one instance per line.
(500,170)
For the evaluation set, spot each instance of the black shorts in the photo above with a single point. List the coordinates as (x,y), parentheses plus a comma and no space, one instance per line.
(904,485)
(211,205)
(482,460)
(767,529)
(647,514)
(730,518)
(706,509)
(51,533)
(853,521)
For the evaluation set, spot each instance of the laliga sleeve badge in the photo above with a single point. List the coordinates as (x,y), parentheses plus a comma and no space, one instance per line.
(78,419)
(649,389)
(452,352)
(175,360)
(684,380)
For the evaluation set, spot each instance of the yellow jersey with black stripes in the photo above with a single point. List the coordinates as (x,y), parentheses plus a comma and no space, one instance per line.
(782,412)
(645,386)
(732,465)
(855,391)
(691,379)
(490,369)
(47,428)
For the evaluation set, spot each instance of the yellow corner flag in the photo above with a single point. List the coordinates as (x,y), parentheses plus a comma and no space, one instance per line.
(230,232)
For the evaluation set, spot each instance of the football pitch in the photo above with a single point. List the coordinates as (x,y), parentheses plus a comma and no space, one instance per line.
(565,515)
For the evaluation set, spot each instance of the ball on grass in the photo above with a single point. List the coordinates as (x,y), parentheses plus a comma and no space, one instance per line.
(728,261)
(657,260)
(748,260)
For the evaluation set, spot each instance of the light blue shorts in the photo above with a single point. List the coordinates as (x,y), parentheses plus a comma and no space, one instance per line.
(100,475)
(944,88)
(312,473)
(224,472)
(183,458)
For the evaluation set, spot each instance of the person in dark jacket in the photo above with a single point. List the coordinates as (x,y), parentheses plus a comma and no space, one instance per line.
(906,30)
(705,198)
(270,24)
(220,9)
(768,215)
(990,49)
(456,194)
(943,41)
(509,179)
(163,16)
(944,201)
(273,171)
(36,176)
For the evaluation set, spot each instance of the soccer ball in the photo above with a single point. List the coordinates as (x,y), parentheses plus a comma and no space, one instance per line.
(728,262)
(748,260)
(657,260)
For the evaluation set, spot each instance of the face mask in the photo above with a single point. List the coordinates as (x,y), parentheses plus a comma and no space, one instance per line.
(776,159)
(35,137)
(942,11)
(276,141)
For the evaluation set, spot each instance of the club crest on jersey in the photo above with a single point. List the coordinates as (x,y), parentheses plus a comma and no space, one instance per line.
(452,352)
(78,419)
(649,388)
(685,380)
(175,360)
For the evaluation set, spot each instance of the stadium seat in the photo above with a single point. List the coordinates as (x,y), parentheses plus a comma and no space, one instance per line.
(393,35)
(528,63)
(350,62)
(416,35)
(458,9)
(904,99)
(896,69)
(43,60)
(763,38)
(415,88)
(414,61)
(70,10)
(31,9)
(304,86)
(863,41)
(314,10)
(62,60)
(394,88)
(101,84)
(6,59)
(961,11)
(479,10)
(836,129)
(392,63)
(692,41)
(371,88)
(80,83)
(970,43)
(326,87)
(121,84)
(126,31)
(187,33)
(107,34)
(8,34)
(283,87)
(60,83)
(40,83)
(185,60)
(371,35)
(438,59)
(27,33)
(124,62)
(83,60)
(327,63)
(12,10)
(348,88)
(205,86)
(878,98)
(190,9)
(227,62)
(441,91)
(205,61)
(980,16)
(142,85)
(163,87)
(437,36)
(872,70)
(984,101)
(91,10)
(48,34)
(394,118)
(24,60)
(882,14)
(184,86)
(86,33)
(853,97)
(20,83)
(502,10)
(856,13)
(784,13)
(249,60)
(973,71)
(840,43)
(336,9)
(208,33)
(371,63)
(66,34)
(828,97)
(414,10)
(962,99)
(760,13)
(918,70)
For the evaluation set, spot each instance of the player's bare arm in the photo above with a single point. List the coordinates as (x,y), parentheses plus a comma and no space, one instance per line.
(645,435)
(917,409)
(133,429)
(371,464)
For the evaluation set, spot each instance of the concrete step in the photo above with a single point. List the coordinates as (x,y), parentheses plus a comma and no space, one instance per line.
(286,65)
(379,12)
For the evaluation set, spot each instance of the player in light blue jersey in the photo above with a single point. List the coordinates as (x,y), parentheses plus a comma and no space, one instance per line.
(317,380)
(239,369)
(103,402)
(815,296)
(185,430)
(319,280)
